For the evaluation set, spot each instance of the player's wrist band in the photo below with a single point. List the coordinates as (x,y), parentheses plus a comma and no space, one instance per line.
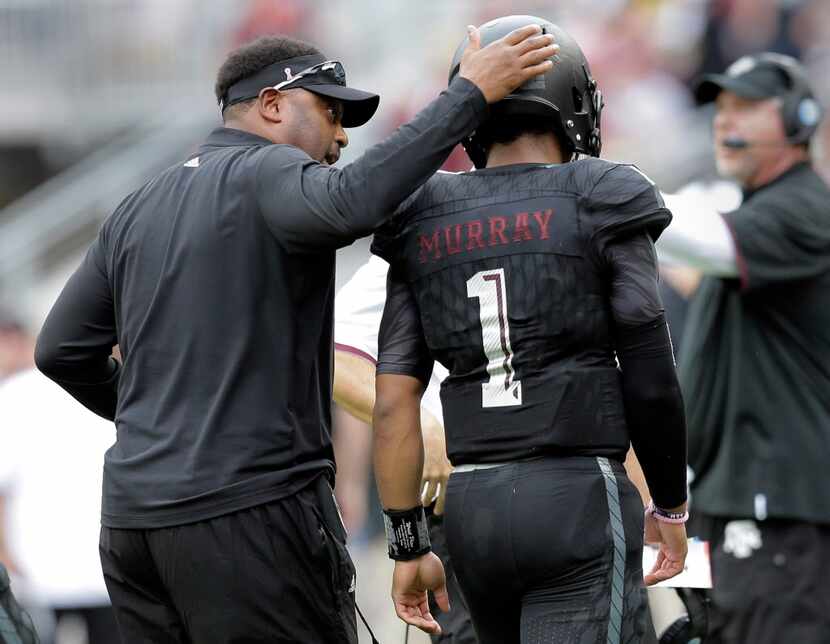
(665,516)
(407,533)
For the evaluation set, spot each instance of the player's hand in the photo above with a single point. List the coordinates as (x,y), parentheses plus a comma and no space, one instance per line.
(673,543)
(410,583)
(437,468)
(507,63)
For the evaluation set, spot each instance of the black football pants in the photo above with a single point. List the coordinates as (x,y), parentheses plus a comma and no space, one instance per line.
(549,550)
(277,572)
(456,626)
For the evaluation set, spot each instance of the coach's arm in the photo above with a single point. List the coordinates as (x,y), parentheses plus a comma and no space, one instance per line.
(309,205)
(75,345)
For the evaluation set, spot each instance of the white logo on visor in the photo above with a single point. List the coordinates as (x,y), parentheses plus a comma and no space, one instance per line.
(288,75)
(741,66)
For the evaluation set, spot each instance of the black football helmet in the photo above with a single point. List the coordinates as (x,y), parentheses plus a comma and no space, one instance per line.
(567,94)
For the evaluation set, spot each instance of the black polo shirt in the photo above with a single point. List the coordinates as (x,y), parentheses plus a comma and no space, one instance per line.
(216,279)
(755,366)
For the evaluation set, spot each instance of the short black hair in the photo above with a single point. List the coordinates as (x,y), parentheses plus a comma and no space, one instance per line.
(251,57)
(505,130)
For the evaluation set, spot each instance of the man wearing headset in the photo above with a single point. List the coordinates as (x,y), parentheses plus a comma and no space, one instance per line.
(755,365)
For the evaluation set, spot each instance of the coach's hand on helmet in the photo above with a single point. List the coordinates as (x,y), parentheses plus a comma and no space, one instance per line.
(508,63)
(410,583)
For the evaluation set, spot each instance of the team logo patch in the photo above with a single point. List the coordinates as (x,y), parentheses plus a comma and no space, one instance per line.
(741,539)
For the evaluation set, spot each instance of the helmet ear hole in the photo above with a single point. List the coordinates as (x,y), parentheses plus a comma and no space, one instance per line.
(577,99)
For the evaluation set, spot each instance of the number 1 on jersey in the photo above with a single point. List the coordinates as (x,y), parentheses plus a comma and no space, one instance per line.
(502,389)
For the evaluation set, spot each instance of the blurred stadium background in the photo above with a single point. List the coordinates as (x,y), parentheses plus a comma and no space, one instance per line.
(99,95)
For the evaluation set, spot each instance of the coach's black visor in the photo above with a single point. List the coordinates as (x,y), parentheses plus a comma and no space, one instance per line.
(314,73)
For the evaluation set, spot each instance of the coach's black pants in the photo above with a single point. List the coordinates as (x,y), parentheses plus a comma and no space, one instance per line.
(771,580)
(277,572)
(549,550)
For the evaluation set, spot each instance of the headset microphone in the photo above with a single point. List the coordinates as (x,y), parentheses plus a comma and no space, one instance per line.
(735,143)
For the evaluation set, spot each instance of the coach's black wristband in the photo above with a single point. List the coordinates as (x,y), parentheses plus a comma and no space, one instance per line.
(407,533)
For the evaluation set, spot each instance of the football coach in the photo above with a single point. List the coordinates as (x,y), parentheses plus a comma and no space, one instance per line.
(216,280)
(755,362)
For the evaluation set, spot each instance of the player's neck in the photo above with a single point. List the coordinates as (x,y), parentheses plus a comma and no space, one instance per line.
(529,148)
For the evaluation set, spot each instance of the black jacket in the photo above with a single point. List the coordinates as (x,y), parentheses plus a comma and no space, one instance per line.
(216,279)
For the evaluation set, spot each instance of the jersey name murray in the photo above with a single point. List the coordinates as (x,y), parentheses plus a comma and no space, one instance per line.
(505,270)
(478,234)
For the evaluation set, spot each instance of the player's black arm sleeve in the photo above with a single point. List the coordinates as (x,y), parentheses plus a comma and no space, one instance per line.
(653,402)
(75,344)
(402,348)
(308,205)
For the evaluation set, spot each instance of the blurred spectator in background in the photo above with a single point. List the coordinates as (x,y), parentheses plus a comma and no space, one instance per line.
(17,346)
(267,17)
(754,367)
(738,27)
(51,465)
(15,624)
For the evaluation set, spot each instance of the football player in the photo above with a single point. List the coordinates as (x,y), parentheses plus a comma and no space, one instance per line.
(528,279)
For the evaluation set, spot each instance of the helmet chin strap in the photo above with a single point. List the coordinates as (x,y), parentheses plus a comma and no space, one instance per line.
(475,151)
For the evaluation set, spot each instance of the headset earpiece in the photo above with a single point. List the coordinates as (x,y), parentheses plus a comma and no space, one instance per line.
(800,112)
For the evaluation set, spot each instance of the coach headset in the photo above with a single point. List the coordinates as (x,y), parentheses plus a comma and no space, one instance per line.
(800,112)
(567,94)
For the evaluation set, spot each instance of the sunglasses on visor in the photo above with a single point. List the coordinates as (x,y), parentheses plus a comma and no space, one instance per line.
(330,71)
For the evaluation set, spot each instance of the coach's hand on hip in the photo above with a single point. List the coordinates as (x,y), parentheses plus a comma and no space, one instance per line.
(410,583)
(508,63)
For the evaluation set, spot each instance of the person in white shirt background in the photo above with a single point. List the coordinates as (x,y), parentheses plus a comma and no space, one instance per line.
(51,464)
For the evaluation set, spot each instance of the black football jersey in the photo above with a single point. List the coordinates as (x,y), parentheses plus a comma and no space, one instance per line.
(502,275)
